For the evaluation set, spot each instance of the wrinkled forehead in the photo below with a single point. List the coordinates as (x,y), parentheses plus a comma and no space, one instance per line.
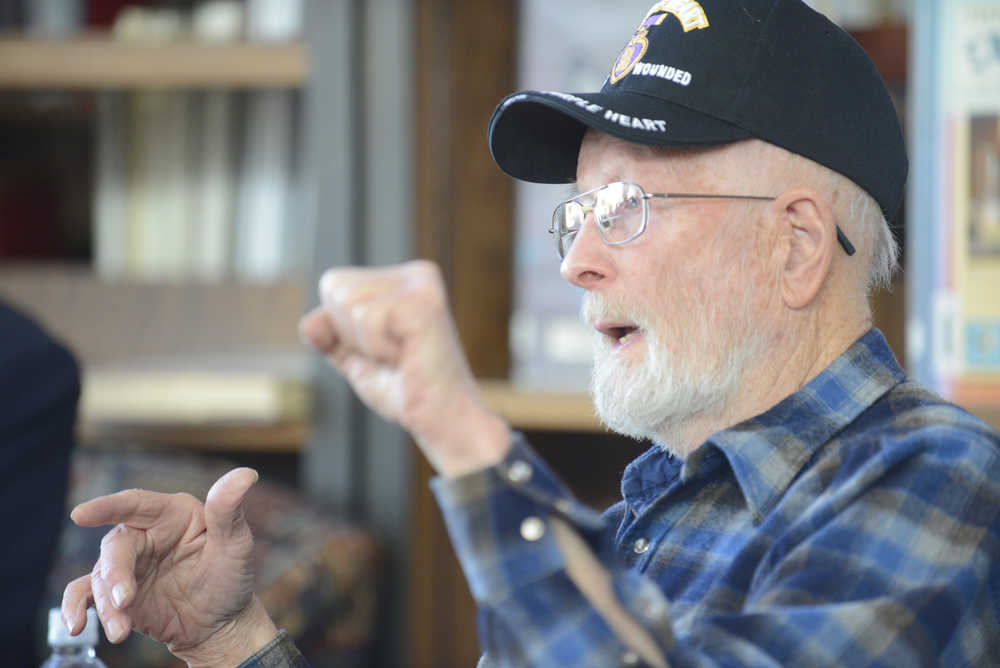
(607,193)
(604,158)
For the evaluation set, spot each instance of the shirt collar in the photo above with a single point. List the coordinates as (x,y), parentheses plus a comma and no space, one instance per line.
(767,452)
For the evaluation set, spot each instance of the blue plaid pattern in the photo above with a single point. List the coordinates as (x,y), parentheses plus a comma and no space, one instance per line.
(279,653)
(855,523)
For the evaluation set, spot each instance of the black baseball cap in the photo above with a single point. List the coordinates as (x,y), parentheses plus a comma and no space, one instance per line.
(716,71)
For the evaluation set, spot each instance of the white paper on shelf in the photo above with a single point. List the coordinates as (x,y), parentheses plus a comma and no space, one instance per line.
(218,20)
(110,214)
(161,185)
(214,185)
(274,20)
(214,189)
(53,18)
(191,397)
(263,221)
(159,159)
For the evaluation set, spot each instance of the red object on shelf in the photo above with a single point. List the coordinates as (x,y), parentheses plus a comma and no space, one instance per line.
(28,225)
(102,13)
(888,47)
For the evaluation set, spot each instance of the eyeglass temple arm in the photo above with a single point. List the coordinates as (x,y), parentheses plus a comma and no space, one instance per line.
(844,242)
(842,239)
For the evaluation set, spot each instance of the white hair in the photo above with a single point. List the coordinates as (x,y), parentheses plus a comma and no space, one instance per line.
(855,211)
(874,236)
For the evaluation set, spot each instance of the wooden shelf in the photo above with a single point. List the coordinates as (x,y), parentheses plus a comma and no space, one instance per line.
(199,410)
(160,323)
(98,62)
(540,410)
(280,437)
(107,418)
(193,397)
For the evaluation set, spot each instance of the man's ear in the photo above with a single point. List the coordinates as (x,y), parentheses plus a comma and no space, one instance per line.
(809,237)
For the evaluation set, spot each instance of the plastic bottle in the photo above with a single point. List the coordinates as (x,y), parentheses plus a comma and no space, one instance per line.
(73,651)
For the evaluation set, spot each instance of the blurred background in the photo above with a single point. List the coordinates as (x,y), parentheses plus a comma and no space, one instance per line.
(176,175)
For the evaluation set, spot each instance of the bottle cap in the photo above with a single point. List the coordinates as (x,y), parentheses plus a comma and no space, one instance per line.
(60,637)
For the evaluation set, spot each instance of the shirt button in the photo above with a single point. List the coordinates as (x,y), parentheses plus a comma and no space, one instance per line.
(630,658)
(655,610)
(532,529)
(640,546)
(563,506)
(519,471)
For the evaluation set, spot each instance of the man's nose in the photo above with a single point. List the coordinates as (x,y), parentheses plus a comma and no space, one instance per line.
(588,260)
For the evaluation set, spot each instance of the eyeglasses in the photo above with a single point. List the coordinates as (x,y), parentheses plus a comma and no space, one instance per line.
(621,211)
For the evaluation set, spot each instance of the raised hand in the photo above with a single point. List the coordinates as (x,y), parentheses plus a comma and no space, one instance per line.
(176,570)
(389,332)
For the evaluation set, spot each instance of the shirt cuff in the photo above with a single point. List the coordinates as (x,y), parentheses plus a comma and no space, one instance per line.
(279,653)
(523,472)
(498,521)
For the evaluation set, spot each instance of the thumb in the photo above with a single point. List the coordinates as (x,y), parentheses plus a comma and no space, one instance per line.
(224,518)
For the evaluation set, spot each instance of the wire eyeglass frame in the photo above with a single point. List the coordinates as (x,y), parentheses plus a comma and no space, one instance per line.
(605,224)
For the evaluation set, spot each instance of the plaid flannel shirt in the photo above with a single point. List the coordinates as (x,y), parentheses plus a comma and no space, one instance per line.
(279,653)
(857,522)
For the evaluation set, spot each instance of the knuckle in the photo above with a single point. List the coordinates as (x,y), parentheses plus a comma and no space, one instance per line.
(426,266)
(327,282)
(371,317)
(361,313)
(110,537)
(425,280)
(81,582)
(186,499)
(426,271)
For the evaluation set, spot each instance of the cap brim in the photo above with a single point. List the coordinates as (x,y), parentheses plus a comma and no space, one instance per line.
(535,136)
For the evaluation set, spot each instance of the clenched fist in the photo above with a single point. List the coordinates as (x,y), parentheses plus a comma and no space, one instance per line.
(389,332)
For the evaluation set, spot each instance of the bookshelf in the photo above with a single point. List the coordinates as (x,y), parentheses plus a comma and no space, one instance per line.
(83,309)
(95,61)
(279,438)
(540,410)
(224,380)
(265,413)
(350,74)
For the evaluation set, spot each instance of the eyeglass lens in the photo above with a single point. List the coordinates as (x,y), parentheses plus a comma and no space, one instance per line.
(618,210)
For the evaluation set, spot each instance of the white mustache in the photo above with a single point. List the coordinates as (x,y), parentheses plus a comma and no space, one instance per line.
(596,307)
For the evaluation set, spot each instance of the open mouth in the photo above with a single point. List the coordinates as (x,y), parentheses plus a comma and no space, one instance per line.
(620,333)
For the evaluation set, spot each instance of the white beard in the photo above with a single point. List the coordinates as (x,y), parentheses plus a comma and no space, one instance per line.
(691,372)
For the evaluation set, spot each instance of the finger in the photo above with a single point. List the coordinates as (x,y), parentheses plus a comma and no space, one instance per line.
(116,624)
(347,284)
(329,329)
(135,507)
(112,580)
(316,329)
(344,285)
(360,325)
(77,597)
(348,294)
(370,322)
(224,517)
(120,549)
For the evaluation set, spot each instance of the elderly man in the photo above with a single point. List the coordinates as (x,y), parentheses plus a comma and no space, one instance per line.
(803,504)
